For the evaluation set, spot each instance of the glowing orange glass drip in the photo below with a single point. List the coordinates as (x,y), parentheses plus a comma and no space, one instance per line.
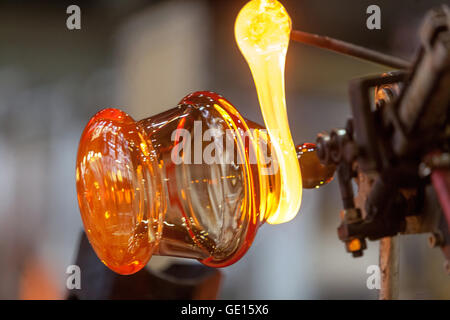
(262,31)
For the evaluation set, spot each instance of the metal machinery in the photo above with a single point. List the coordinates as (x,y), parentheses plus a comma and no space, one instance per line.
(396,148)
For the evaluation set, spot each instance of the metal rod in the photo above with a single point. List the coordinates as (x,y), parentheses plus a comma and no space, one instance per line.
(389,268)
(349,49)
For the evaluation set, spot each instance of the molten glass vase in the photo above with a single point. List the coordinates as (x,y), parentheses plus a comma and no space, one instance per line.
(190,182)
(196,181)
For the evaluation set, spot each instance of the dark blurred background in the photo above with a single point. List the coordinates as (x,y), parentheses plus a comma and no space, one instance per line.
(144,56)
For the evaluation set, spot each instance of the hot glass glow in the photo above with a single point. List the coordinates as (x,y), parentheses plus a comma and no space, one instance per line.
(262,31)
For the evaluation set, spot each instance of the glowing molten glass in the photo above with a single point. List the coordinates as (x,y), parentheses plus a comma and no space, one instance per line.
(262,32)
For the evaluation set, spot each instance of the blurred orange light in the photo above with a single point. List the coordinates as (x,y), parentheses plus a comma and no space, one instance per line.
(354,245)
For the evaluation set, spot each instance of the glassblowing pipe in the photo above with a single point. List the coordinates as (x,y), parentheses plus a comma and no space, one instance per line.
(349,49)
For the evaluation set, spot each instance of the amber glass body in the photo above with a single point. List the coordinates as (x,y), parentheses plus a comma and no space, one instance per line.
(135,201)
